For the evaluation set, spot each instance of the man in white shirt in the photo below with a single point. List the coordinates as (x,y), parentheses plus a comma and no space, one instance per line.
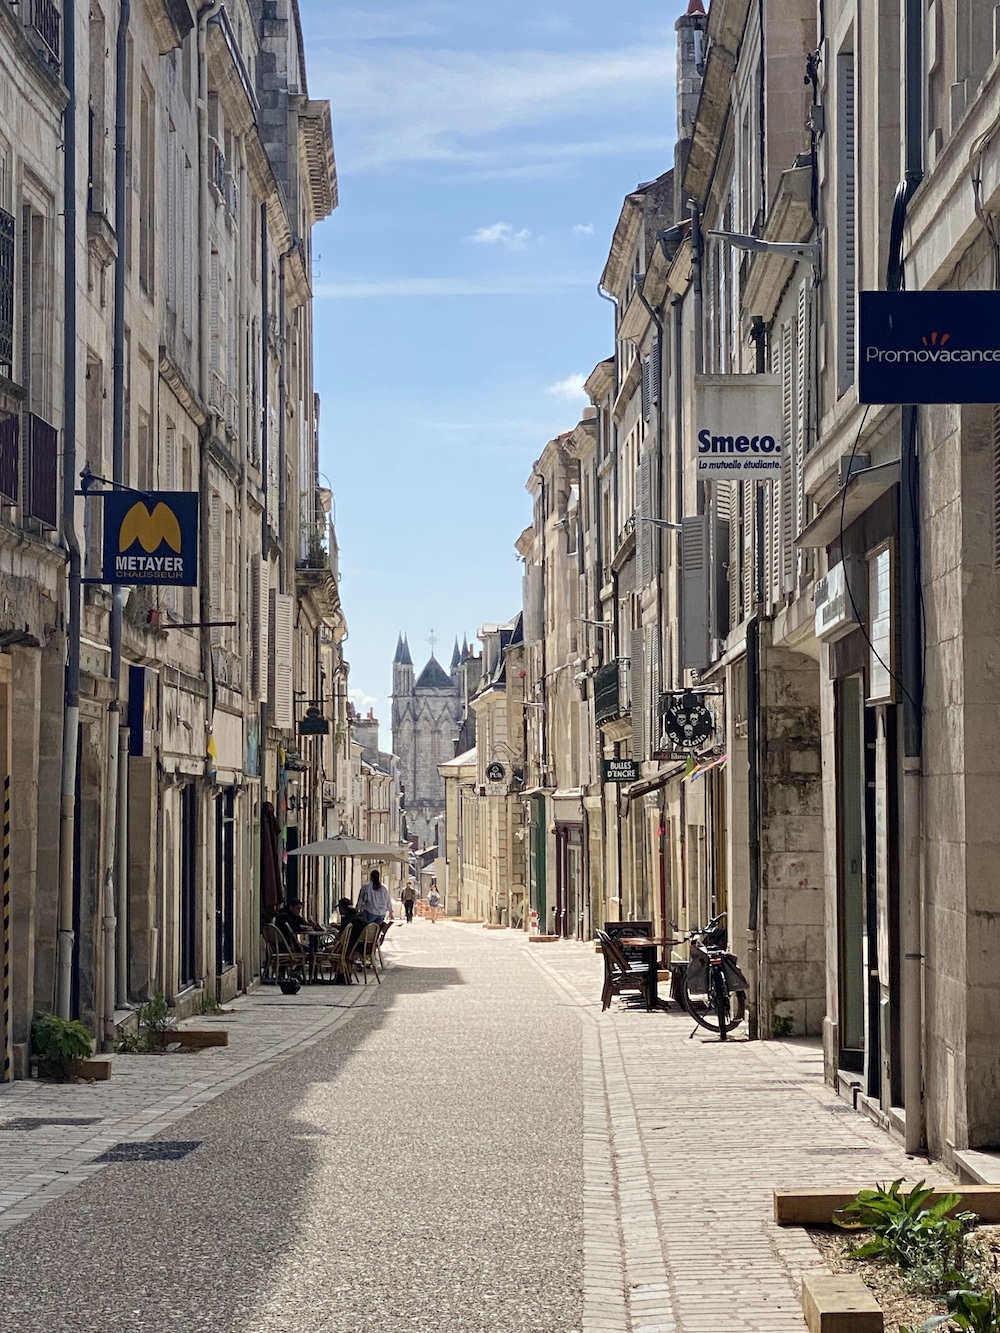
(374,902)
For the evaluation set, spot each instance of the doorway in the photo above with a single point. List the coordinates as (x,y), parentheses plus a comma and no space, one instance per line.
(225,880)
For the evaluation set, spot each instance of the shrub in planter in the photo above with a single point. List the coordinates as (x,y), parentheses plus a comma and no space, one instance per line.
(57,1042)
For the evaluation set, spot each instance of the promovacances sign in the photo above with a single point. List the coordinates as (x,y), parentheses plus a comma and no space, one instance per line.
(929,347)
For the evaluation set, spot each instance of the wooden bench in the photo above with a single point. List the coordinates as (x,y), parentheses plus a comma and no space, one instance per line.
(839,1303)
(815,1208)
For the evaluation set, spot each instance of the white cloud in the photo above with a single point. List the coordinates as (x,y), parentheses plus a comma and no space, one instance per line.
(502,285)
(584,229)
(502,233)
(570,389)
(362,701)
(396,104)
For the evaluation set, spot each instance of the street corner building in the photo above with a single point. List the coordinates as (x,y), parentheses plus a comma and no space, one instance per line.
(173,691)
(755,671)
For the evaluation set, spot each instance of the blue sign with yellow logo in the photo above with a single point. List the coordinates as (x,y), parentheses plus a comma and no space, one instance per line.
(929,347)
(151,537)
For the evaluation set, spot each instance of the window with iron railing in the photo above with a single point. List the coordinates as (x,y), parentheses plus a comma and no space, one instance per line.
(44,19)
(611,690)
(42,471)
(6,292)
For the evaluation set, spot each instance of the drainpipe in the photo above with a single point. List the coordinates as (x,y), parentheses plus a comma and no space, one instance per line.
(71,705)
(111,793)
(753,822)
(910,650)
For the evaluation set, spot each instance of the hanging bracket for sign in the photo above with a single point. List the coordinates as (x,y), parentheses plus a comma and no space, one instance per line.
(150,537)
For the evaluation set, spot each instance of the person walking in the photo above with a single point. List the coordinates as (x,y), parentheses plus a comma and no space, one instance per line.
(433,903)
(374,902)
(409,897)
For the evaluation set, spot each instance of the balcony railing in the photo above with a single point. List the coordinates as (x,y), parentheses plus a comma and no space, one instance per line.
(43,472)
(6,292)
(612,693)
(45,18)
(10,458)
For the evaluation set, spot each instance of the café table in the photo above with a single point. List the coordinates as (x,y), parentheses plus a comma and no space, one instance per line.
(648,946)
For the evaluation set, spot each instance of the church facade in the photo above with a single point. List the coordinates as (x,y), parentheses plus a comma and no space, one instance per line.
(428,716)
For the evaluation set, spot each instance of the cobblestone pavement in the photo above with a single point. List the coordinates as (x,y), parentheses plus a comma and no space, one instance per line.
(413,1162)
(470,1146)
(686,1138)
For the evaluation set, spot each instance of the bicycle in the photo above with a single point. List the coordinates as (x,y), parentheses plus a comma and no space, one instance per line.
(714,989)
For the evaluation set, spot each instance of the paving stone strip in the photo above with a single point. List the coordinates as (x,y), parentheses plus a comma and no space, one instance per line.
(686,1140)
(53,1136)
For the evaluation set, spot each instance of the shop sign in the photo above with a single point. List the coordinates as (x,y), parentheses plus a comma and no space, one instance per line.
(620,770)
(496,789)
(686,722)
(738,425)
(836,609)
(151,538)
(929,347)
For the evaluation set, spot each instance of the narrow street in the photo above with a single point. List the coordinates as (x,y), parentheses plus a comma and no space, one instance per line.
(469,1146)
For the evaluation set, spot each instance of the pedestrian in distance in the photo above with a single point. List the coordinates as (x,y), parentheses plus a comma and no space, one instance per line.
(409,897)
(374,902)
(433,903)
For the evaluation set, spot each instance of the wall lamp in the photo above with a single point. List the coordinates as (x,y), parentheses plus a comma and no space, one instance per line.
(805,252)
(601,624)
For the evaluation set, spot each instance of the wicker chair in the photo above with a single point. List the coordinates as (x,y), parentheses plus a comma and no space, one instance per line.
(282,959)
(367,954)
(337,957)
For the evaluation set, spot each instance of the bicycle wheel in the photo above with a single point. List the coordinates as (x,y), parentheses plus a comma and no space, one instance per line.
(703,1009)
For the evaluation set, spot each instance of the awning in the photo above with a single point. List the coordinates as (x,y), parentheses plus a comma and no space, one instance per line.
(659,779)
(862,490)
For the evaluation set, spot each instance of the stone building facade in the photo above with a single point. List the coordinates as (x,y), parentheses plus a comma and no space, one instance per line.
(156,335)
(427,716)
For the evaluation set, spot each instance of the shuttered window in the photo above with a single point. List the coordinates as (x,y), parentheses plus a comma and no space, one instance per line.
(644,536)
(803,342)
(260,612)
(847,221)
(640,695)
(788,444)
(280,664)
(694,591)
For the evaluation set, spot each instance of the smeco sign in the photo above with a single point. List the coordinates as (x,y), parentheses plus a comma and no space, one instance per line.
(929,347)
(738,425)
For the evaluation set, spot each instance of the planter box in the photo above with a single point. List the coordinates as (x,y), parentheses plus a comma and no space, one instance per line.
(839,1304)
(192,1038)
(814,1208)
(542,939)
(97,1067)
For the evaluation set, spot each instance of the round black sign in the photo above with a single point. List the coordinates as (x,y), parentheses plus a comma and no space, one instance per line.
(495,772)
(687,723)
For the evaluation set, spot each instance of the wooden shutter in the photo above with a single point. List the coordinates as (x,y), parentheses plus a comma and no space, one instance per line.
(215,571)
(640,695)
(735,601)
(532,597)
(847,220)
(646,394)
(802,420)
(788,445)
(644,537)
(260,613)
(694,592)
(279,684)
(747,563)
(214,313)
(654,675)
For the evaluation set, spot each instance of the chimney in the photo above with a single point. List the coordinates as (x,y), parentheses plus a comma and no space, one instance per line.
(690,29)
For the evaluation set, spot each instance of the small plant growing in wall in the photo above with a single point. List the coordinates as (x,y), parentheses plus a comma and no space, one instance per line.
(56,1042)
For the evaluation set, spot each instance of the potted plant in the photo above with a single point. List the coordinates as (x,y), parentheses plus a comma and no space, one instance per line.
(56,1042)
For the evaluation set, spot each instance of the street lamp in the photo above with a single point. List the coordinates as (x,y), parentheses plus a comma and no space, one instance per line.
(804,252)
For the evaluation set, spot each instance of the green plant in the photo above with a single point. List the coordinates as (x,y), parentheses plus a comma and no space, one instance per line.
(57,1042)
(154,1019)
(208,1004)
(971,1311)
(908,1232)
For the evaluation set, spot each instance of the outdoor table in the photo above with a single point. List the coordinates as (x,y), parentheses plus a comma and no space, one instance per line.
(649,946)
(313,939)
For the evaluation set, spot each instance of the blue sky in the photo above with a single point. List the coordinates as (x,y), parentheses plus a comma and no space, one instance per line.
(483,152)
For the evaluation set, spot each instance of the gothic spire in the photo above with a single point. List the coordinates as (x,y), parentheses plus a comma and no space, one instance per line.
(402,657)
(456,656)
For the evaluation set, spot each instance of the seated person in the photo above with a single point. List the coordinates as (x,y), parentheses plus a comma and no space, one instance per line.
(291,922)
(351,920)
